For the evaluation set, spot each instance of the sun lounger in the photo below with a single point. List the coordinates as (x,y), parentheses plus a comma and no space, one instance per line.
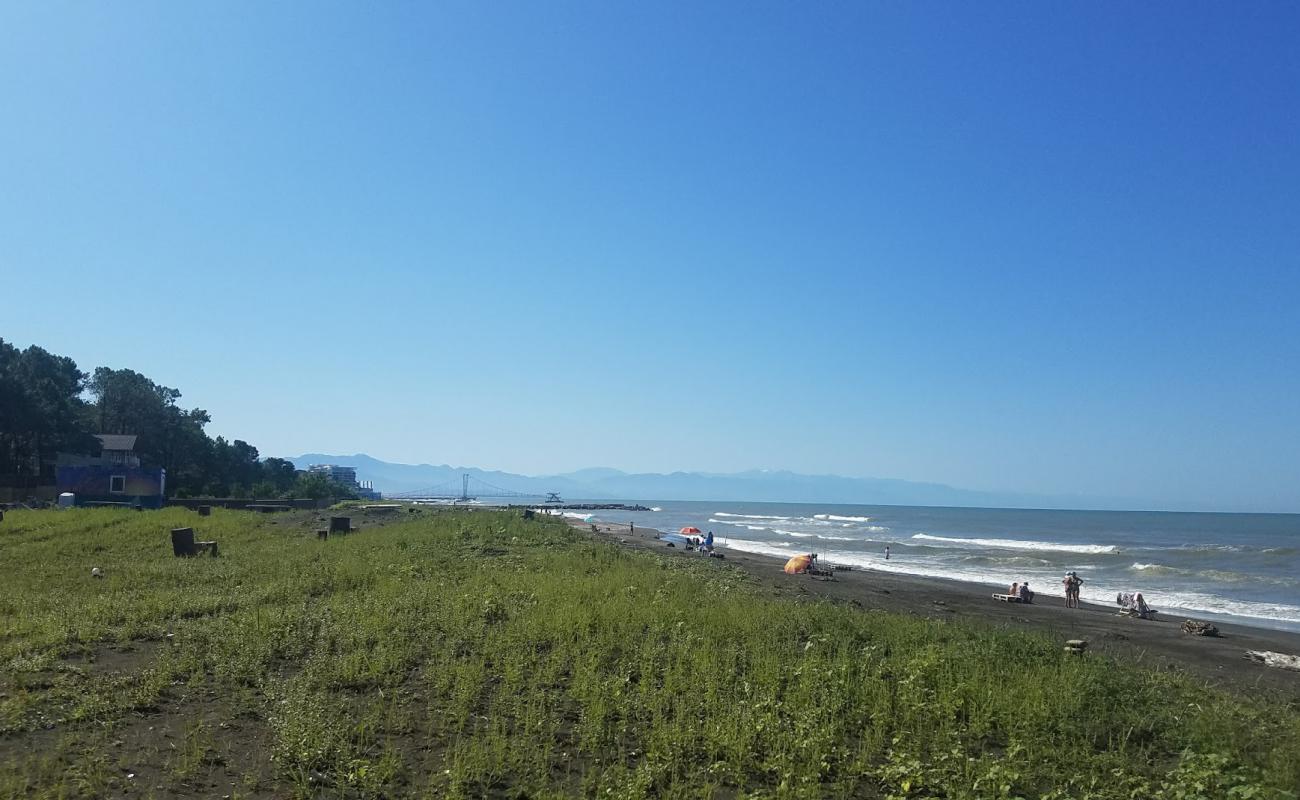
(1007,598)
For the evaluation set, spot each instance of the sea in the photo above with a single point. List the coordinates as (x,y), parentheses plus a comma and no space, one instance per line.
(1238,568)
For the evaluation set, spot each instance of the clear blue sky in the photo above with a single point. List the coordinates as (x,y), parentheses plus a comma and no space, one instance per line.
(1039,247)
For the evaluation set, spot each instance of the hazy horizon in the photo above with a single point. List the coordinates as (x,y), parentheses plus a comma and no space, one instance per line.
(1051,250)
(942,495)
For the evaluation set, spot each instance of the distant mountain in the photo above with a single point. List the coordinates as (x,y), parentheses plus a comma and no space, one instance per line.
(605,483)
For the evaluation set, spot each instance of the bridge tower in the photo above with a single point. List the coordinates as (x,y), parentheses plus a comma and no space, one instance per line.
(464,488)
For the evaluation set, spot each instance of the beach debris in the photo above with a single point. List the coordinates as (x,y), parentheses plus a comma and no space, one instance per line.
(96,572)
(1076,646)
(1198,628)
(1272,659)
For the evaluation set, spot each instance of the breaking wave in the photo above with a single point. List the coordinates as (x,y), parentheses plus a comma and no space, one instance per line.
(836,518)
(1018,544)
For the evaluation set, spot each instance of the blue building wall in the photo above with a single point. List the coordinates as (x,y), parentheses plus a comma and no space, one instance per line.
(94,484)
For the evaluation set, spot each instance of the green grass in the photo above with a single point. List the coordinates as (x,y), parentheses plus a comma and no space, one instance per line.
(475,654)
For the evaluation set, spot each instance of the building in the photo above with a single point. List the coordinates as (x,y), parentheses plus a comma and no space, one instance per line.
(344,476)
(113,477)
(347,478)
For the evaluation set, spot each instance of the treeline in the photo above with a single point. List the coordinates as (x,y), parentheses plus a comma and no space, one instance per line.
(49,406)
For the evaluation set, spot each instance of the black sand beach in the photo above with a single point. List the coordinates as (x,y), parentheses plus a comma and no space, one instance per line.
(1151,644)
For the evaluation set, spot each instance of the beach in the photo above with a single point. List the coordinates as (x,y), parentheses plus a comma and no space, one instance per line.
(1158,643)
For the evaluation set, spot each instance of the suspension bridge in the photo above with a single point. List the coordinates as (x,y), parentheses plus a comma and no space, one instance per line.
(469,489)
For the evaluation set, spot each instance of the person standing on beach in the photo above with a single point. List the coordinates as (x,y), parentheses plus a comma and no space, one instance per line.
(1073,582)
(886,552)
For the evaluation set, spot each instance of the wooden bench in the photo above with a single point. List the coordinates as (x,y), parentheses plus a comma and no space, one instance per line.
(1007,598)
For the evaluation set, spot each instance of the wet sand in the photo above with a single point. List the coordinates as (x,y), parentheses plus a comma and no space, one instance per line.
(1151,644)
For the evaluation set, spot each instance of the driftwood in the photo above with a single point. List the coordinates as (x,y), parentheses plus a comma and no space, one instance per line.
(1198,628)
(1271,659)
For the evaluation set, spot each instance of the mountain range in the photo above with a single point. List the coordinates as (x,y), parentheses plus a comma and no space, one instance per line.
(604,483)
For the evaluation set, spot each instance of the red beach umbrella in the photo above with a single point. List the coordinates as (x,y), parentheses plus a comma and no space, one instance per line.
(689,530)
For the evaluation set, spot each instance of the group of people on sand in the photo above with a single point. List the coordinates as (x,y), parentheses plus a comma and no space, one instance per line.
(1132,603)
(1021,591)
(1072,582)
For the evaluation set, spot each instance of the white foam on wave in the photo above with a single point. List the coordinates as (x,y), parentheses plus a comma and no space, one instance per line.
(1019,544)
(739,524)
(1214,575)
(749,516)
(762,548)
(837,518)
(793,533)
(656,508)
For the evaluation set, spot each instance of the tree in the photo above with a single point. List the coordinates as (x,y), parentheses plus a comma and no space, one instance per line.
(280,473)
(168,436)
(41,411)
(315,486)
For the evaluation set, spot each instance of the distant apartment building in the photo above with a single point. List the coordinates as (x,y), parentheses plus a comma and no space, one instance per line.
(347,478)
(344,476)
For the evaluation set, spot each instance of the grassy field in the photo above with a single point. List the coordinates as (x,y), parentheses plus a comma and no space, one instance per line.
(462,654)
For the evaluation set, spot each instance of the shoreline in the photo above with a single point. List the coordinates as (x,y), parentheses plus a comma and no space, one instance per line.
(1152,644)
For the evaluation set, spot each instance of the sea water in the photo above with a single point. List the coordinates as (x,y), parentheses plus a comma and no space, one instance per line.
(1242,568)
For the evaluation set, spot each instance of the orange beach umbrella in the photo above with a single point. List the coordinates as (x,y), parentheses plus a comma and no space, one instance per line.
(798,565)
(689,530)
